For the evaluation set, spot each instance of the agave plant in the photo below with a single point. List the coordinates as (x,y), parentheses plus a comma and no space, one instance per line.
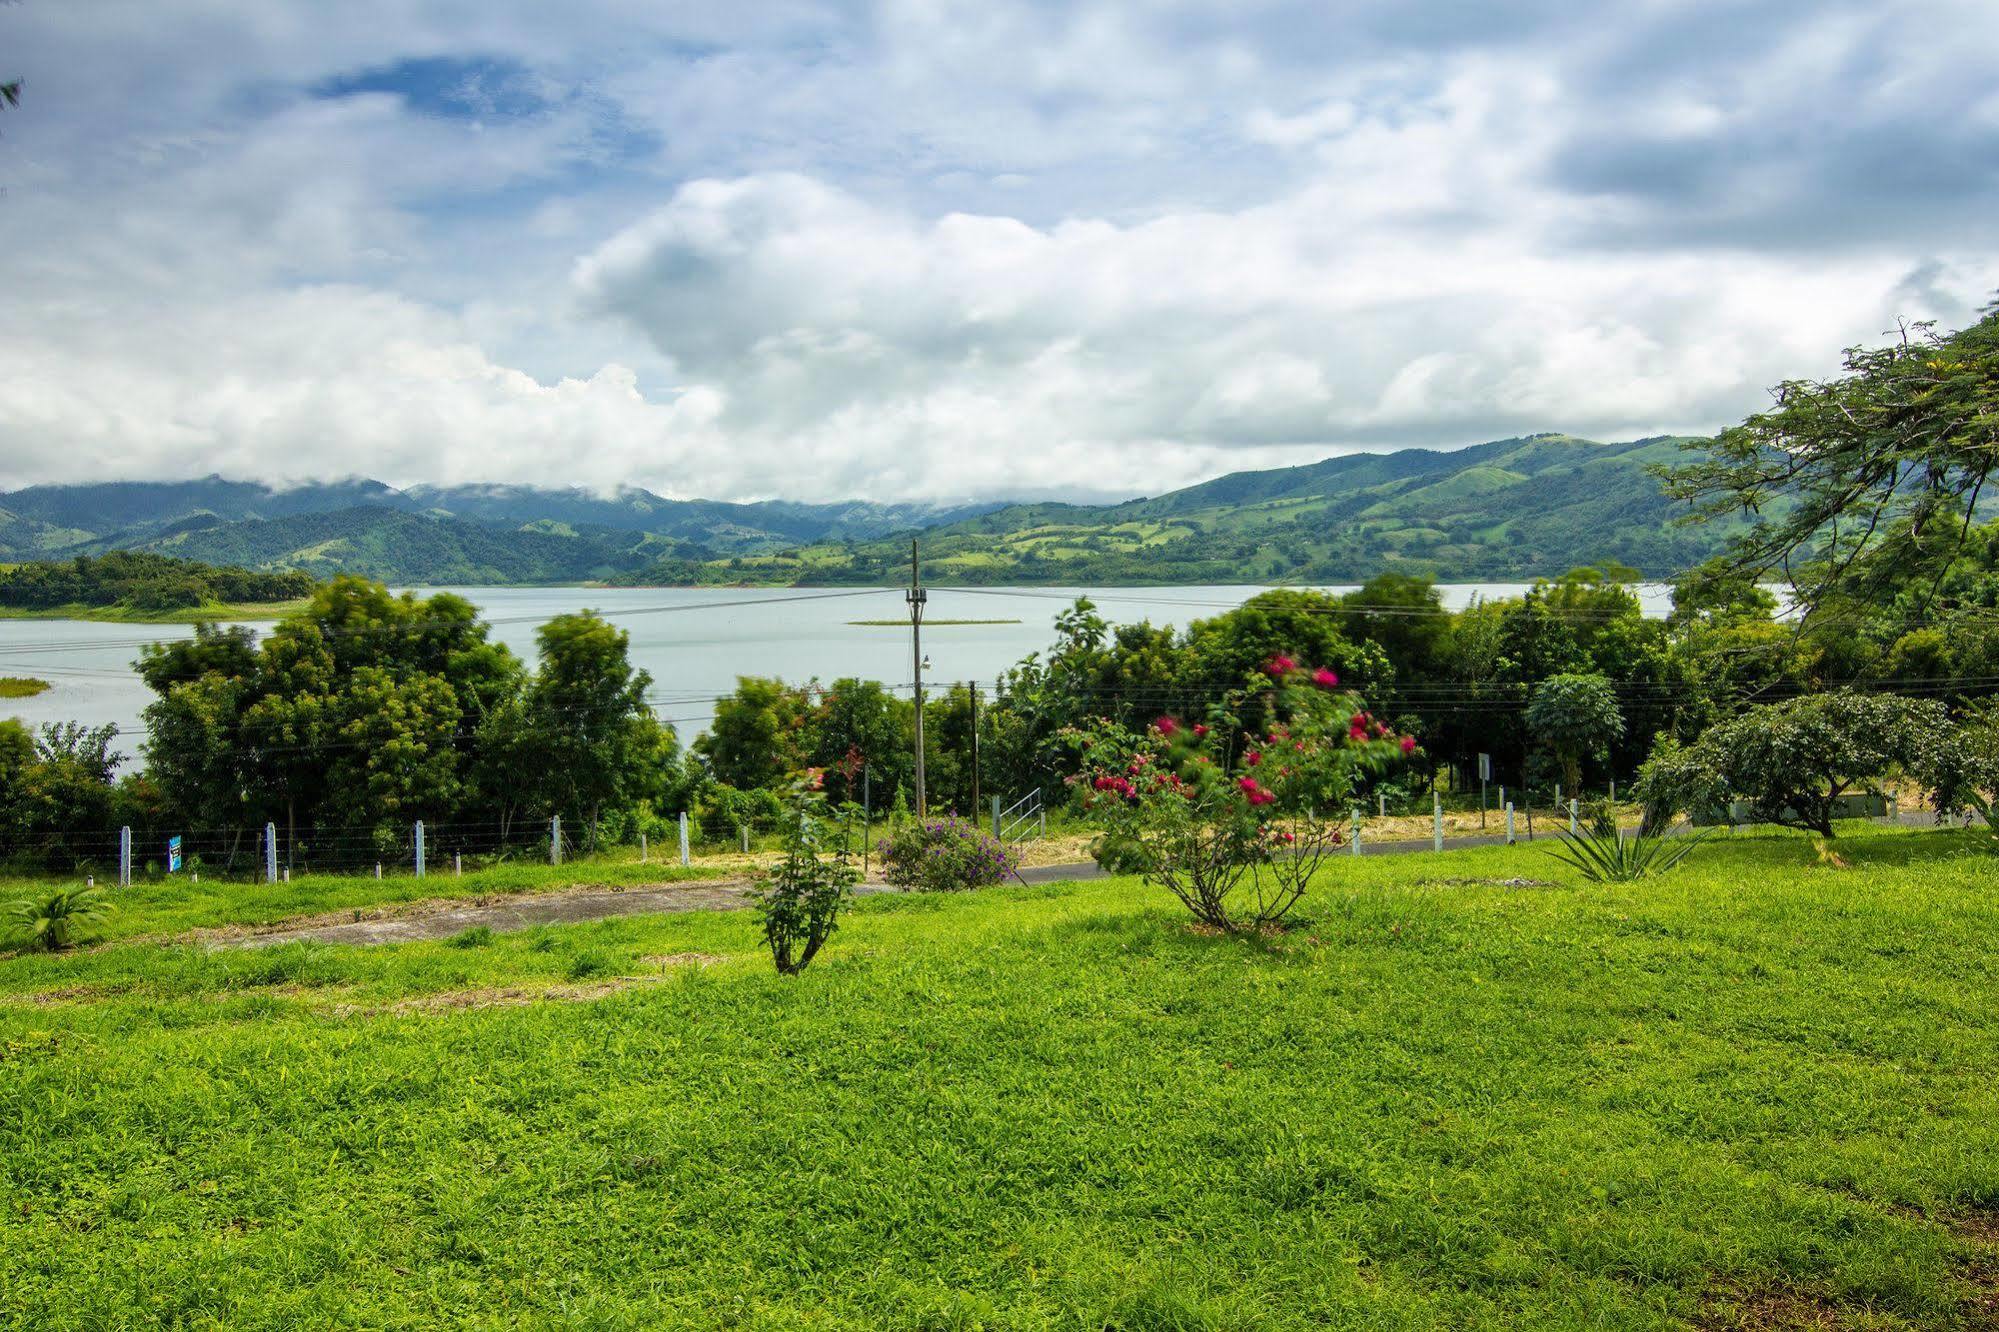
(1607,855)
(51,921)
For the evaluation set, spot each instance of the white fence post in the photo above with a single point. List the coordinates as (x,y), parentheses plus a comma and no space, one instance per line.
(996,818)
(683,837)
(457,864)
(419,848)
(642,848)
(1509,823)
(125,857)
(1572,818)
(1356,830)
(270,853)
(555,839)
(1436,821)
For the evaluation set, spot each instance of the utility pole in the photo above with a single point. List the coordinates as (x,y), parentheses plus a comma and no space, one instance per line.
(916,596)
(975,749)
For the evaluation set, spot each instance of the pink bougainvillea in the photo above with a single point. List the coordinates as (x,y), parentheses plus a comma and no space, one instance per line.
(1325,679)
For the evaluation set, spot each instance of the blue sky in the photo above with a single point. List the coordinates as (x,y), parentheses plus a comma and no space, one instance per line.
(921,249)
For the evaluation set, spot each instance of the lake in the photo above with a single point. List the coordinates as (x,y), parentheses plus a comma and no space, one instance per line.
(695,641)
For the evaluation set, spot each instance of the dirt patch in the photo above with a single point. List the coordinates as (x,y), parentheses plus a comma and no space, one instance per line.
(1771,1311)
(71,994)
(1483,883)
(514,996)
(410,922)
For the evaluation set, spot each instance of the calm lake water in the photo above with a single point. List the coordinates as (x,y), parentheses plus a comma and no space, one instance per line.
(694,641)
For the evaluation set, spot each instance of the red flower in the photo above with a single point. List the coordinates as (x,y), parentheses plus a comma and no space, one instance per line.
(1408,744)
(1325,679)
(1167,726)
(1252,758)
(1261,797)
(1248,784)
(1280,665)
(1199,730)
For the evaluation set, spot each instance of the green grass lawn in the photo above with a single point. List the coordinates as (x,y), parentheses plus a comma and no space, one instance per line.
(1757,1093)
(175,903)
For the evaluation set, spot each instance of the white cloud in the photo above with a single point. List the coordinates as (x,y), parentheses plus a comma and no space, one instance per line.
(910,249)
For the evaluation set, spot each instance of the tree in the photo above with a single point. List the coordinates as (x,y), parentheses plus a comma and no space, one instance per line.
(1576,718)
(1791,762)
(757,737)
(1866,480)
(587,712)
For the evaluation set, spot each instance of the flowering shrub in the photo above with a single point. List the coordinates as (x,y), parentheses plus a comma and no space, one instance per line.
(945,855)
(1230,820)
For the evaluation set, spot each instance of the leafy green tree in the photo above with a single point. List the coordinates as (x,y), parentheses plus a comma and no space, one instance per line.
(758,735)
(1576,718)
(1866,480)
(859,723)
(1405,617)
(587,711)
(1791,762)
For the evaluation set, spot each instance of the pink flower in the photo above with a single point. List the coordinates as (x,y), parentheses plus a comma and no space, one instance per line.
(1199,730)
(1261,797)
(1408,744)
(1325,679)
(1167,726)
(1248,784)
(1280,665)
(1252,758)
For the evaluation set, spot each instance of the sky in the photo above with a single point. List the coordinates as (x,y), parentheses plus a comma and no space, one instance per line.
(932,250)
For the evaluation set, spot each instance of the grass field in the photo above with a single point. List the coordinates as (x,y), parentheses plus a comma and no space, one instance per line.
(1473,1093)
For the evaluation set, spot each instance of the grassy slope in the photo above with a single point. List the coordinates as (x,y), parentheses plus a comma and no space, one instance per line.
(1447,1105)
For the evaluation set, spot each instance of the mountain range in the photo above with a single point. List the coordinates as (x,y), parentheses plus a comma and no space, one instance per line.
(1514,508)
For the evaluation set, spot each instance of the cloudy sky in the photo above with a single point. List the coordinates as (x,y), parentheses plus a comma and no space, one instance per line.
(931,249)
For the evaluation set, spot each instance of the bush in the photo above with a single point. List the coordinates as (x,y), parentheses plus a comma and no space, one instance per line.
(798,903)
(945,855)
(53,921)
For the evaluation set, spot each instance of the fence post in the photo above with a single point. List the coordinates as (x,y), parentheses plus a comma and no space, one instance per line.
(642,848)
(125,857)
(419,848)
(996,817)
(1558,795)
(270,853)
(555,839)
(683,837)
(744,829)
(457,864)
(1436,821)
(1356,830)
(1509,823)
(1613,790)
(378,869)
(1572,817)
(1381,803)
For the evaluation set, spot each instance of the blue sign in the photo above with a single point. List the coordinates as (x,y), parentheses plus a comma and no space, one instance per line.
(173,853)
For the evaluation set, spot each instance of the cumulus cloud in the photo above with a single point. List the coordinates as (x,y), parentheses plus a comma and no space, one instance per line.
(912,250)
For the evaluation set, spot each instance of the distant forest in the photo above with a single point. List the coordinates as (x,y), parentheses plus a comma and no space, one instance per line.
(141,581)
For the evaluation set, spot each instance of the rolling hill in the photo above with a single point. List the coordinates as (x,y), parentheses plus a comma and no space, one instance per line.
(1513,508)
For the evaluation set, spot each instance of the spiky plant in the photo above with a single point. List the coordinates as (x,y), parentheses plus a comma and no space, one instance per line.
(52,921)
(1607,855)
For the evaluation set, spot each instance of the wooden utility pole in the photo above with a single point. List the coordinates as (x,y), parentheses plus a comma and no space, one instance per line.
(916,596)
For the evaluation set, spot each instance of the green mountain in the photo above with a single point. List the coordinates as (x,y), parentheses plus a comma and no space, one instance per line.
(1509,509)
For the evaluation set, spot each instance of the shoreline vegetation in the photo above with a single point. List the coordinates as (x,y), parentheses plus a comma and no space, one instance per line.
(22,686)
(123,614)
